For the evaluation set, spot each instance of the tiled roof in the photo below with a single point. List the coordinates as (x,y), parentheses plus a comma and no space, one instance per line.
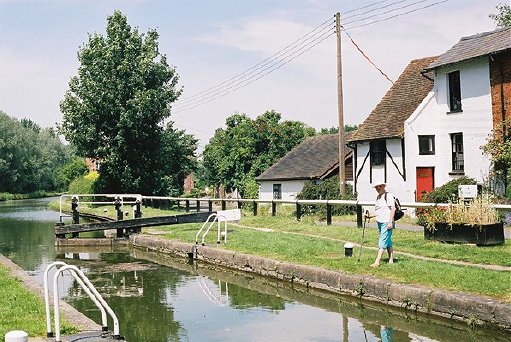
(475,46)
(314,158)
(388,117)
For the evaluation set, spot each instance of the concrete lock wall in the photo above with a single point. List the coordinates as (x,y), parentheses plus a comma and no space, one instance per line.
(454,305)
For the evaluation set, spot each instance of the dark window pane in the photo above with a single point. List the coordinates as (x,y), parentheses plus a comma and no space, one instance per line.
(454,91)
(426,144)
(458,163)
(277,191)
(378,152)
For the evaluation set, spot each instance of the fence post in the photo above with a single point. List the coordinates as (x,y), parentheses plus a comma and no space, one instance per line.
(120,214)
(223,204)
(298,211)
(187,205)
(359,215)
(273,208)
(328,214)
(210,205)
(138,213)
(254,207)
(198,205)
(76,213)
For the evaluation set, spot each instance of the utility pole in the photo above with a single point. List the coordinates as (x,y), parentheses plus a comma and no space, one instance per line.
(340,108)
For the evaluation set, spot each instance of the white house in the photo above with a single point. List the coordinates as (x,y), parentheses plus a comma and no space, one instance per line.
(315,159)
(429,127)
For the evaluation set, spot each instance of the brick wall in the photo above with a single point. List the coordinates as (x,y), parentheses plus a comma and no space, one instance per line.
(500,74)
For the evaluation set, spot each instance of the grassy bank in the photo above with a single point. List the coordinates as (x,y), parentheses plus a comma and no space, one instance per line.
(311,243)
(27,314)
(5,196)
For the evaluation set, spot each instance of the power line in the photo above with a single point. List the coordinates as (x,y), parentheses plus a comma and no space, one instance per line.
(263,72)
(292,51)
(366,57)
(366,6)
(397,15)
(311,34)
(386,12)
(374,9)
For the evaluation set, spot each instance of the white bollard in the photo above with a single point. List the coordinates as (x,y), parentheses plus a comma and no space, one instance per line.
(16,336)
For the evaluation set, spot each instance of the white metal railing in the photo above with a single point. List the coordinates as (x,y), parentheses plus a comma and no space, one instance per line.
(121,197)
(215,219)
(313,202)
(89,289)
(219,216)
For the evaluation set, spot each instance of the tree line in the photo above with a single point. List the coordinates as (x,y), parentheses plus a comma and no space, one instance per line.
(31,158)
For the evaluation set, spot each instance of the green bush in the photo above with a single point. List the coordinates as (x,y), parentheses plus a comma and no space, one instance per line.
(84,184)
(69,172)
(326,190)
(447,192)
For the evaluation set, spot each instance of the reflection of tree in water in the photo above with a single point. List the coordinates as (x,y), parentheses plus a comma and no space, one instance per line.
(134,295)
(20,241)
(241,298)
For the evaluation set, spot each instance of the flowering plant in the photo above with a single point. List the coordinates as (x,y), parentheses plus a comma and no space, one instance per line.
(476,212)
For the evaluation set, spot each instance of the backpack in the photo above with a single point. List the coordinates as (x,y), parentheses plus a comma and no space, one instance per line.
(399,212)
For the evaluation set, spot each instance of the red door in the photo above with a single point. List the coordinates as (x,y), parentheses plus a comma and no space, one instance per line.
(425,181)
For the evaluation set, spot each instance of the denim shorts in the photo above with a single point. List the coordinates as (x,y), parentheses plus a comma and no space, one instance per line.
(385,240)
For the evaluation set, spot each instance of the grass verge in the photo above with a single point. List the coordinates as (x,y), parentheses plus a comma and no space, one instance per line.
(312,244)
(27,314)
(329,254)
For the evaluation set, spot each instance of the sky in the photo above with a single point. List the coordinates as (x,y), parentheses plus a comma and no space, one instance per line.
(209,42)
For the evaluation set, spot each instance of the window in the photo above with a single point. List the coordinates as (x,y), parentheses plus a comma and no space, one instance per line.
(454,91)
(426,144)
(457,152)
(277,191)
(378,150)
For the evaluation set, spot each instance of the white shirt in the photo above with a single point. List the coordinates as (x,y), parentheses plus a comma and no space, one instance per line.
(382,208)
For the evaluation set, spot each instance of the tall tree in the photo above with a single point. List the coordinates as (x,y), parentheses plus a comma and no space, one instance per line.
(236,155)
(115,107)
(503,15)
(29,156)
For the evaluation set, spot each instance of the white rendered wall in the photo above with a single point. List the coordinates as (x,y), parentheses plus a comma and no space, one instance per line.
(290,189)
(395,182)
(432,118)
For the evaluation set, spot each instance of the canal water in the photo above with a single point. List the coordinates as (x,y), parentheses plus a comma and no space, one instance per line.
(161,298)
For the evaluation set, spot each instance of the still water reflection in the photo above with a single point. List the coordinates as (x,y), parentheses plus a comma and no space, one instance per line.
(160,298)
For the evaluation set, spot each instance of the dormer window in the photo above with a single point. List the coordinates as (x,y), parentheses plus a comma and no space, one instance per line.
(454,91)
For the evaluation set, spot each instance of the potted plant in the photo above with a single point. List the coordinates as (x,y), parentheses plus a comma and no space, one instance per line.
(475,221)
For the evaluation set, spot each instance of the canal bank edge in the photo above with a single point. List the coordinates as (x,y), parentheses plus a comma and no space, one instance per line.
(469,308)
(80,321)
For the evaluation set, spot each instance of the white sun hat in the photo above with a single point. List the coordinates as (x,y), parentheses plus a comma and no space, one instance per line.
(379,182)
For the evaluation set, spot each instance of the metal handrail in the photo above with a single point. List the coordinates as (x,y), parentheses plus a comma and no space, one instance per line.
(316,202)
(215,216)
(89,288)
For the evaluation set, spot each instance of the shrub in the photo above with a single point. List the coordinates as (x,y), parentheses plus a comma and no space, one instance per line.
(84,184)
(326,190)
(447,192)
(479,211)
(72,170)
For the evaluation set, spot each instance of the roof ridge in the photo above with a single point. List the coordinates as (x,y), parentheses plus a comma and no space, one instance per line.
(483,34)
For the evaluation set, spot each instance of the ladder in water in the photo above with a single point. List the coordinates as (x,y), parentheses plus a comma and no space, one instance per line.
(87,286)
